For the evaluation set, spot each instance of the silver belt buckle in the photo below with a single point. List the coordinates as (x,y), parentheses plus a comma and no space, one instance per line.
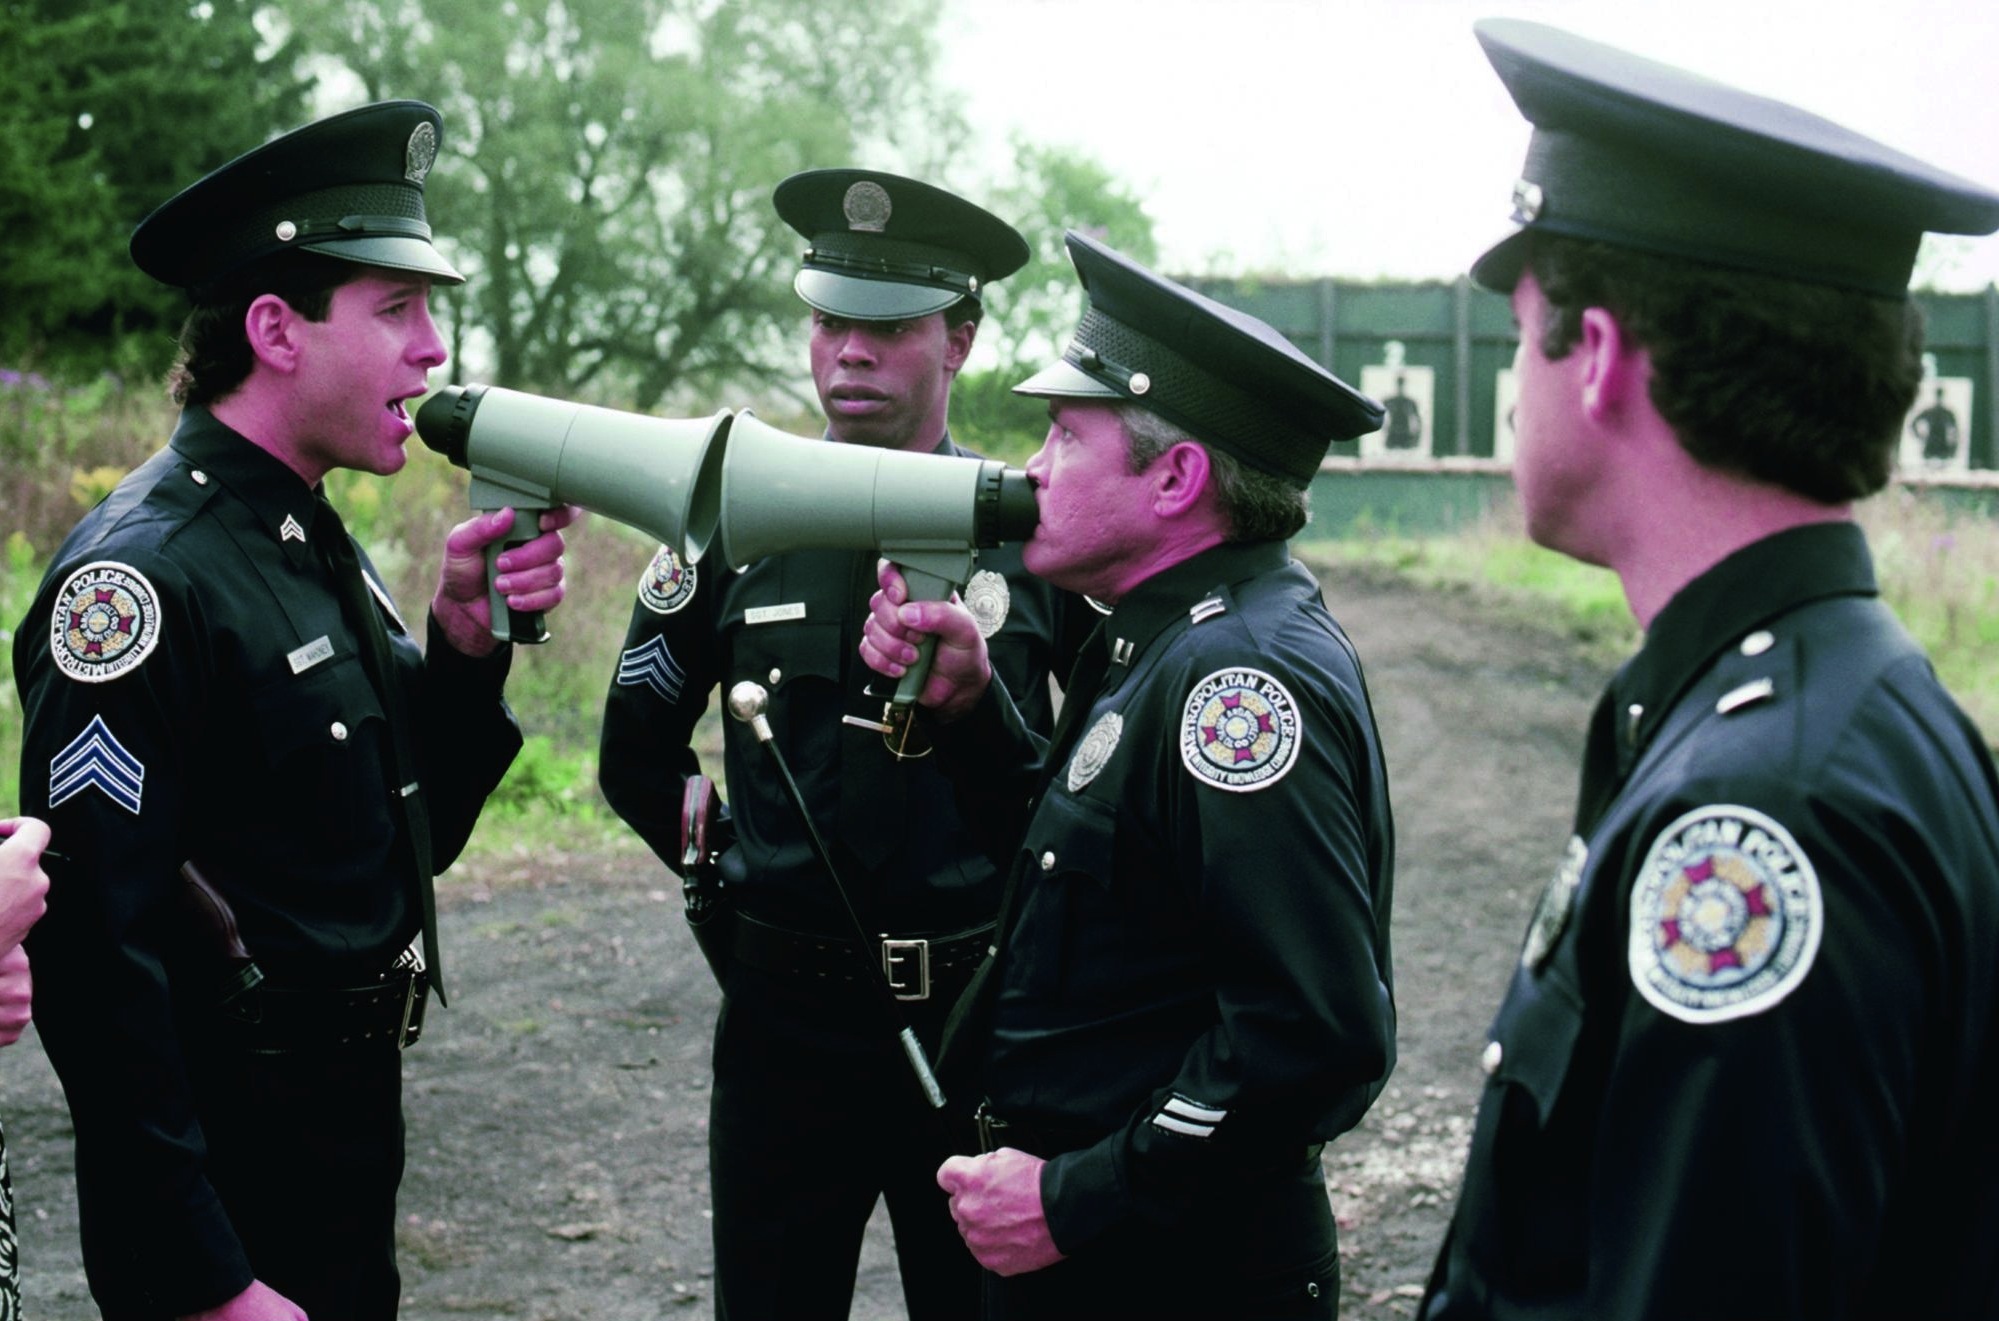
(897,953)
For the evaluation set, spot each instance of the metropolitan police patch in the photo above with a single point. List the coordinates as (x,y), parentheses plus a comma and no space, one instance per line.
(988,598)
(106,621)
(667,584)
(1726,916)
(1239,731)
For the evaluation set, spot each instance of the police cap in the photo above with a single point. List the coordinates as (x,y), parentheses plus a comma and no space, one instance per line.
(348,186)
(1221,375)
(885,248)
(1631,152)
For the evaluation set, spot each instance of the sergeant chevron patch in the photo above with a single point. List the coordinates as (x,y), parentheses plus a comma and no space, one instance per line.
(667,584)
(652,666)
(1188,1118)
(1726,916)
(95,759)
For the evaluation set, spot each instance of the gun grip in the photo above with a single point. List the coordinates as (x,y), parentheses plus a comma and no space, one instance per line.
(509,624)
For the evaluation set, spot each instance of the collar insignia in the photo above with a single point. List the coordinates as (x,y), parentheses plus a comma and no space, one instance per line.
(289,530)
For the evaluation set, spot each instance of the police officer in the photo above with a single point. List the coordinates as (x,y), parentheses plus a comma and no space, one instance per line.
(814,1113)
(253,765)
(1749,1059)
(1193,990)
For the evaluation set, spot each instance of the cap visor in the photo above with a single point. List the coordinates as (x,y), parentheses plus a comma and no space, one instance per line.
(870,300)
(1062,380)
(1498,270)
(391,252)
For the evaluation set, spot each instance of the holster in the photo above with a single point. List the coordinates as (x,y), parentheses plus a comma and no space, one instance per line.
(703,827)
(236,973)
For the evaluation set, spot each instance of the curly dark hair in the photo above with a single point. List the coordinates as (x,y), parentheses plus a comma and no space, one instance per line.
(1799,385)
(214,356)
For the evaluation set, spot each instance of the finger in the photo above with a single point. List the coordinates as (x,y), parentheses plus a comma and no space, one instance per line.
(26,833)
(956,1172)
(544,549)
(892,581)
(479,531)
(554,520)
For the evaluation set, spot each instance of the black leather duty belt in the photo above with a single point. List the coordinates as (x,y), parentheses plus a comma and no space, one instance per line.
(272,1020)
(914,965)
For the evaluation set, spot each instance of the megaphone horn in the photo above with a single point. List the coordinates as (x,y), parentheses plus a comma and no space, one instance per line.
(660,475)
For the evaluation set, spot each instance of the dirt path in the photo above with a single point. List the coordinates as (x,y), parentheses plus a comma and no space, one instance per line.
(557,1113)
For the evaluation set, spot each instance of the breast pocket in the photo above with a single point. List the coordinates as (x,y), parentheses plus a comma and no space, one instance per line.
(323,733)
(798,666)
(1077,943)
(1537,1030)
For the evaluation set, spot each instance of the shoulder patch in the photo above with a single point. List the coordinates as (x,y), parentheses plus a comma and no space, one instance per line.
(988,598)
(106,621)
(1239,730)
(667,584)
(1094,752)
(1726,916)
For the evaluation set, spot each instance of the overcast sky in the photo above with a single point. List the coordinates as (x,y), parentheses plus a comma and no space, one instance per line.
(1371,138)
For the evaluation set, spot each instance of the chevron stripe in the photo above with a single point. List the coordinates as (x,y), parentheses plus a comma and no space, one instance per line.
(95,759)
(652,666)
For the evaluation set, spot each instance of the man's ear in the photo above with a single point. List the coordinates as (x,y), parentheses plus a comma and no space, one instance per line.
(271,327)
(958,344)
(1612,365)
(1180,477)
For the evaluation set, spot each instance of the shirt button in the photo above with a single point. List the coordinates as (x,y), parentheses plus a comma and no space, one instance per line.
(1048,860)
(200,477)
(1758,642)
(339,732)
(1494,1053)
(775,674)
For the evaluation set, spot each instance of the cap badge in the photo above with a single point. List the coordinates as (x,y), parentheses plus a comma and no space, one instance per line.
(287,231)
(1527,202)
(421,153)
(867,207)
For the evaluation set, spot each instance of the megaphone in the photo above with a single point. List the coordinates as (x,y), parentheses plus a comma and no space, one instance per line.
(732,478)
(929,513)
(659,475)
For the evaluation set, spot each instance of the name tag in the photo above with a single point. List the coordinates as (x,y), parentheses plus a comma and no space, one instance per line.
(311,654)
(772,614)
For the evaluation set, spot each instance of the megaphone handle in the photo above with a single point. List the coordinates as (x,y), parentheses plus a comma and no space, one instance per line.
(509,624)
(923,586)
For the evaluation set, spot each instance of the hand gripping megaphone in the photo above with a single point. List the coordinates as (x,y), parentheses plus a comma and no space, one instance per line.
(659,475)
(929,513)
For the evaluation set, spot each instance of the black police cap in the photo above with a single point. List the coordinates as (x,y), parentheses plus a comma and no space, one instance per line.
(1219,374)
(349,186)
(885,247)
(1631,152)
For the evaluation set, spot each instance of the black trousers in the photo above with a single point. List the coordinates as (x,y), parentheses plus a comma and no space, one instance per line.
(305,1151)
(1266,1249)
(815,1116)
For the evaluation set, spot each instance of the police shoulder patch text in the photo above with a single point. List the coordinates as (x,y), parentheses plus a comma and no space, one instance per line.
(1726,916)
(105,622)
(1239,730)
(667,584)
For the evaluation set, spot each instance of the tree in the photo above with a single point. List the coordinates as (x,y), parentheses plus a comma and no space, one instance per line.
(1032,312)
(608,164)
(111,109)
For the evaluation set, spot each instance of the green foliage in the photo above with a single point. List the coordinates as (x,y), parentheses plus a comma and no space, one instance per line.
(111,108)
(608,166)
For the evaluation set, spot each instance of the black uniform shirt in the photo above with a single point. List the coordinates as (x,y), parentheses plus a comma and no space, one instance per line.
(1196,969)
(1749,1064)
(190,692)
(792,623)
